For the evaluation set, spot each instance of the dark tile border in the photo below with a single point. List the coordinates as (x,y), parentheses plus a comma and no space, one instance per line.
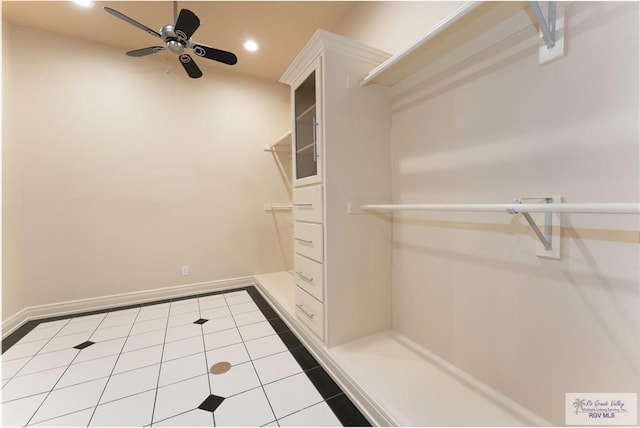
(346,412)
(24,329)
(323,383)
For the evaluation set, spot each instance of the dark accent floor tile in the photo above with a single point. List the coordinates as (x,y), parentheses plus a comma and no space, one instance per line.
(18,334)
(254,293)
(269,313)
(211,403)
(278,325)
(154,302)
(323,383)
(200,321)
(304,358)
(261,303)
(346,412)
(290,340)
(84,345)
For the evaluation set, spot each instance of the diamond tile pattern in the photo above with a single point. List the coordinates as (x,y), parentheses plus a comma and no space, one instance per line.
(143,365)
(84,345)
(211,403)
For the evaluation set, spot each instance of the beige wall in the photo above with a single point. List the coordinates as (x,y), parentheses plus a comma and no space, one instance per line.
(392,25)
(126,172)
(13,297)
(468,286)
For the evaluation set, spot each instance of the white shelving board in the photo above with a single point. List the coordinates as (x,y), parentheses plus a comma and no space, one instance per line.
(281,288)
(416,390)
(472,28)
(282,144)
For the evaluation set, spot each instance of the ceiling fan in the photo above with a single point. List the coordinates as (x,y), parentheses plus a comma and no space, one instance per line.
(177,39)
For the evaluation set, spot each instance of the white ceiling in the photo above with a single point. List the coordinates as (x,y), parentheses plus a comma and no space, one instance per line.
(281,28)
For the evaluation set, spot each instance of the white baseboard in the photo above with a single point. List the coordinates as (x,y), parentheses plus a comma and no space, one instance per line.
(13,322)
(93,304)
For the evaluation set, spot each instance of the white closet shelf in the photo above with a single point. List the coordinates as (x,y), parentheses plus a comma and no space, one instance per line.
(417,388)
(280,287)
(472,28)
(282,144)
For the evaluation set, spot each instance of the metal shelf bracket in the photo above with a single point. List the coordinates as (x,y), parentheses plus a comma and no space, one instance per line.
(545,238)
(548,30)
(552,30)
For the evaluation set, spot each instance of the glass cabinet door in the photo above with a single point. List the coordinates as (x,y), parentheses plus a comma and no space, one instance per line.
(306,131)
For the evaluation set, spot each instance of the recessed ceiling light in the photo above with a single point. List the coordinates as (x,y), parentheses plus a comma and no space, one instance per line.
(84,3)
(251,45)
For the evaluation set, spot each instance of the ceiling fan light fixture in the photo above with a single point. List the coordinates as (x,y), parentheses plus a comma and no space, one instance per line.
(251,45)
(84,3)
(175,47)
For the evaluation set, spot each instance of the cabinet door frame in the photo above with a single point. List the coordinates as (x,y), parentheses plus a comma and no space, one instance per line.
(315,65)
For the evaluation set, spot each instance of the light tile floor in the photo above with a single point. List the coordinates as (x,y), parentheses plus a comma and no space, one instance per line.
(150,366)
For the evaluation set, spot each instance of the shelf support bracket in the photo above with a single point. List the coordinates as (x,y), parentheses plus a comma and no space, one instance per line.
(552,30)
(544,239)
(548,30)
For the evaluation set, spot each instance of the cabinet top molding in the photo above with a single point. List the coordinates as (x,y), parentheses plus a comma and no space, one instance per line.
(325,41)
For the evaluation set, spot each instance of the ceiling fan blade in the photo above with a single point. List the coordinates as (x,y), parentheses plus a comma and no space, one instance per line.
(190,66)
(214,54)
(186,25)
(146,51)
(132,21)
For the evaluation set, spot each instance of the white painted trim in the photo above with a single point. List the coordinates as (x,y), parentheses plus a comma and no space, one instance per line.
(12,323)
(324,40)
(105,302)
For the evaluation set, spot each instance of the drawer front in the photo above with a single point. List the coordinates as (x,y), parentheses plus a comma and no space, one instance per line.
(310,312)
(309,276)
(307,240)
(307,203)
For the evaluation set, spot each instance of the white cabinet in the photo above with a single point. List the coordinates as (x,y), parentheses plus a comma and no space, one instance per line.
(307,162)
(307,203)
(309,275)
(310,312)
(307,240)
(341,137)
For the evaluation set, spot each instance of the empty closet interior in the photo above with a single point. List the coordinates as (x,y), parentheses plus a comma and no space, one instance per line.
(465,213)
(439,199)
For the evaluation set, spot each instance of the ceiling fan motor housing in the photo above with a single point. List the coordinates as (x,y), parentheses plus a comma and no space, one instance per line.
(174,43)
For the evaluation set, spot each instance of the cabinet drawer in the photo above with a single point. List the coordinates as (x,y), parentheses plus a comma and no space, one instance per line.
(307,203)
(310,312)
(307,240)
(309,276)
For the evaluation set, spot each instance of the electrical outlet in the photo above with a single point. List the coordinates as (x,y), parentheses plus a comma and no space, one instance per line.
(185,270)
